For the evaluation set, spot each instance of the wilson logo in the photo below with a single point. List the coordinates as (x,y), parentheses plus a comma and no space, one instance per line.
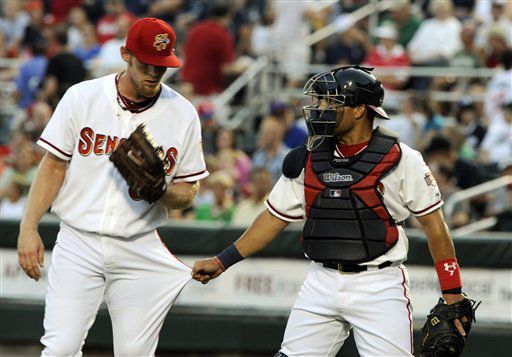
(336,177)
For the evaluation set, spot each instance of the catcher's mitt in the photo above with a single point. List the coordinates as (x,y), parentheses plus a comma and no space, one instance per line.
(439,335)
(142,164)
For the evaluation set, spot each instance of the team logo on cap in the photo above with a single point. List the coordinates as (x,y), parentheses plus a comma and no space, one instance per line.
(161,41)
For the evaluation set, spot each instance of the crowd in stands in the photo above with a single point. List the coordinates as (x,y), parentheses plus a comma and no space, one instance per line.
(465,142)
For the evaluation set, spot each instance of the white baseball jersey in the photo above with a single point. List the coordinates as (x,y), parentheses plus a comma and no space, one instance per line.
(85,129)
(409,188)
(331,304)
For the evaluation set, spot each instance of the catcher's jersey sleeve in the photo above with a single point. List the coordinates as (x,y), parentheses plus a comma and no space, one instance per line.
(60,135)
(286,200)
(192,166)
(420,191)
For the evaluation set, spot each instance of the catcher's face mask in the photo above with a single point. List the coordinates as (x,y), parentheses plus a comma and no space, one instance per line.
(321,114)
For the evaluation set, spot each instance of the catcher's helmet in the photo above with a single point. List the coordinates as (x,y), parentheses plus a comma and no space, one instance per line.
(343,86)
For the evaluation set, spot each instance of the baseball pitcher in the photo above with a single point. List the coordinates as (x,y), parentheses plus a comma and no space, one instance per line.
(121,151)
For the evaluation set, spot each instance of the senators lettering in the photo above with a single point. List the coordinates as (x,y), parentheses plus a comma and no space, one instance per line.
(85,142)
(172,156)
(99,143)
(102,144)
(111,144)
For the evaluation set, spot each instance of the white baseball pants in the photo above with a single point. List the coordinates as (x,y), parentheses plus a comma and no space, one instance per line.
(375,304)
(139,278)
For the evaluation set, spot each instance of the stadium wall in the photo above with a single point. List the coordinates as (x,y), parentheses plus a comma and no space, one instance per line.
(245,311)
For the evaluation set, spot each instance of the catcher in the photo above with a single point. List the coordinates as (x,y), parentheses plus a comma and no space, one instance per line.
(353,186)
(111,184)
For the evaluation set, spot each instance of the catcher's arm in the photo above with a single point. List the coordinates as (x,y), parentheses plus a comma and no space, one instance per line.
(180,195)
(262,231)
(441,247)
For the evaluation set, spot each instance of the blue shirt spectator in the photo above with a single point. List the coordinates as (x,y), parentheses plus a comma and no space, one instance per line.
(29,79)
(87,54)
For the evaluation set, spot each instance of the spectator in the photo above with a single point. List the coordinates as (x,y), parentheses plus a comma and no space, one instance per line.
(262,35)
(12,25)
(60,10)
(64,69)
(405,21)
(107,26)
(90,48)
(222,208)
(408,124)
(434,123)
(389,53)
(31,75)
(461,212)
(271,150)
(209,127)
(469,121)
(109,59)
(78,22)
(165,10)
(497,19)
(292,20)
(497,144)
(465,173)
(209,53)
(39,115)
(229,159)
(501,203)
(349,48)
(296,132)
(499,88)
(497,46)
(247,210)
(35,31)
(23,169)
(459,142)
(437,40)
(468,56)
(13,203)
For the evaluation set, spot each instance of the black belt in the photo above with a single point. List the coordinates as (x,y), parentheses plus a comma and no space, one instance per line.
(352,268)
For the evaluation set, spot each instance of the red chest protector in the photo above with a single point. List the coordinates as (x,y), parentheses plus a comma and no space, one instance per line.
(347,220)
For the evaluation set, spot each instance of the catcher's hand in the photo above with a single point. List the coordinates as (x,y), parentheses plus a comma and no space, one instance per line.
(142,164)
(439,335)
(206,269)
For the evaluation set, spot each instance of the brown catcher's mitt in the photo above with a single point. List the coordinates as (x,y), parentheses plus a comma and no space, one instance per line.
(142,165)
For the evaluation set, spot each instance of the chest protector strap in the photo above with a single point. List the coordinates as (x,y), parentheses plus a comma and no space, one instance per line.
(347,221)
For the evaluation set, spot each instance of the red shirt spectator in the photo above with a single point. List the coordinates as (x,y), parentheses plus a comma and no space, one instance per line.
(389,53)
(208,47)
(60,9)
(106,28)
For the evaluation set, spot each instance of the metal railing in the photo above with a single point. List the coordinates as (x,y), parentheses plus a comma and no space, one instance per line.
(264,70)
(344,21)
(470,193)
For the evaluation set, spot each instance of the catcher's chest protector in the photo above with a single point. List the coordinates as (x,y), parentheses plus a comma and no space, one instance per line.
(347,220)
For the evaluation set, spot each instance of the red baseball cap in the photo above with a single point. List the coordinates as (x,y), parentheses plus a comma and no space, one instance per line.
(152,41)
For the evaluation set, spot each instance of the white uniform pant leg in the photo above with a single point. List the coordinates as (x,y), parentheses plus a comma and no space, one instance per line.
(142,284)
(315,327)
(75,291)
(380,312)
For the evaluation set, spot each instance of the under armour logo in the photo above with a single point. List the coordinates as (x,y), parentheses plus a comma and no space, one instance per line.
(450,268)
